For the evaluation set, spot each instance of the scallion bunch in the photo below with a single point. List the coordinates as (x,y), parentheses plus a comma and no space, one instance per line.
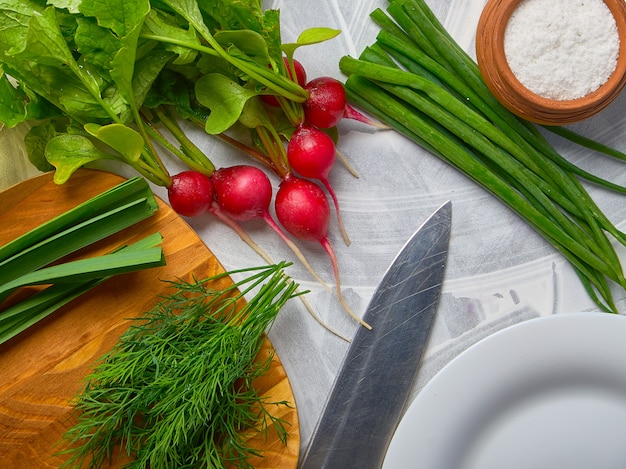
(418,80)
(36,258)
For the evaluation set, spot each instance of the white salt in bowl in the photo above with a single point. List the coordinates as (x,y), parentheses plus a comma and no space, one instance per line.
(519,99)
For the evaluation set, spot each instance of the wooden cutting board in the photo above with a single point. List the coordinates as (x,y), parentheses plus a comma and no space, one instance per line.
(43,368)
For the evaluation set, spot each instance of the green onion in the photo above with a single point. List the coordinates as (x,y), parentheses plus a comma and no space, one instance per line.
(26,260)
(88,269)
(416,79)
(115,209)
(586,142)
(27,312)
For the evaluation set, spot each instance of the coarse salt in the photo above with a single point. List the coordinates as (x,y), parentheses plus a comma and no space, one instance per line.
(562,49)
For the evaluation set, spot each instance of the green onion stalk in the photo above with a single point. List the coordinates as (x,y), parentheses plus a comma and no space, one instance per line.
(418,80)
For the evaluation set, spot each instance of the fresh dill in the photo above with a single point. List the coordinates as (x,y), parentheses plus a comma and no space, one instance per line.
(176,390)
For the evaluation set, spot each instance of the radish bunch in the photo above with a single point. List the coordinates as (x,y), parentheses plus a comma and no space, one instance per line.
(229,74)
(243,193)
(300,159)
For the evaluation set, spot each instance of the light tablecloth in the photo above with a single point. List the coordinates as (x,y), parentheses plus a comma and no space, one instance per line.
(500,271)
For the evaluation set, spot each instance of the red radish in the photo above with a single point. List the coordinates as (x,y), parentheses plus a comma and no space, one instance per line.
(300,79)
(191,193)
(311,153)
(303,210)
(244,193)
(326,103)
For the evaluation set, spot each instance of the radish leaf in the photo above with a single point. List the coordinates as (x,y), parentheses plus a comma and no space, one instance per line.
(249,42)
(224,97)
(253,115)
(126,141)
(12,108)
(41,54)
(35,142)
(68,153)
(124,19)
(73,6)
(190,11)
(160,24)
(309,37)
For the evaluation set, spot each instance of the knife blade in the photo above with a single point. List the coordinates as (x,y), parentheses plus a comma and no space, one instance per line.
(371,390)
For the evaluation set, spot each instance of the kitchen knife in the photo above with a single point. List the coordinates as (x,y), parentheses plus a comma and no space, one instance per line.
(371,391)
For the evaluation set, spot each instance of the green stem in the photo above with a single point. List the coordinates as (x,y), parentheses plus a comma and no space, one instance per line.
(276,82)
(155,173)
(420,129)
(480,134)
(462,75)
(276,151)
(293,110)
(257,155)
(585,142)
(449,111)
(189,152)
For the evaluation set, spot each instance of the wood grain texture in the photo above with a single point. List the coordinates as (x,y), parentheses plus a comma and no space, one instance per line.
(44,367)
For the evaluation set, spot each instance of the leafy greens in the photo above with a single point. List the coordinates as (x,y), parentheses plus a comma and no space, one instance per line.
(95,76)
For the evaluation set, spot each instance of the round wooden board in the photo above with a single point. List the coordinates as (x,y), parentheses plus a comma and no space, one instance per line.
(43,368)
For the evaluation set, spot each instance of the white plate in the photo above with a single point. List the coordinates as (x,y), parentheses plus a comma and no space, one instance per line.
(545,393)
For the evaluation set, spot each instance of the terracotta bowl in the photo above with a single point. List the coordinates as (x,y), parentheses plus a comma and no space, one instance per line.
(516,97)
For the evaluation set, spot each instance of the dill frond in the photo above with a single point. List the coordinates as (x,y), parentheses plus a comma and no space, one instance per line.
(176,391)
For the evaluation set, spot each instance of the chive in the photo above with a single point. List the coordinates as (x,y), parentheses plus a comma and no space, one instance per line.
(531,142)
(462,65)
(488,181)
(387,24)
(586,142)
(441,86)
(491,142)
(414,61)
(410,122)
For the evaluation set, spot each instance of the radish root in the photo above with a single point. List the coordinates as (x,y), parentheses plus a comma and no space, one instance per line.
(346,163)
(331,253)
(342,228)
(237,228)
(351,113)
(296,251)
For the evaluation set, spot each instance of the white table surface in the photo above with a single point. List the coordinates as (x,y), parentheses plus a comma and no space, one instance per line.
(500,271)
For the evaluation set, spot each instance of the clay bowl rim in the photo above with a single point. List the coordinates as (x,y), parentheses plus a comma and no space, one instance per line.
(502,81)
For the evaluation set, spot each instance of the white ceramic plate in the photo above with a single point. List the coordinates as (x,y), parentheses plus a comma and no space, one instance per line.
(549,393)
